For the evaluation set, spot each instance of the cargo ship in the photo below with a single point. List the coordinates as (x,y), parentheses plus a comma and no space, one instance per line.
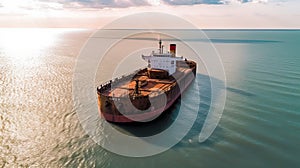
(146,93)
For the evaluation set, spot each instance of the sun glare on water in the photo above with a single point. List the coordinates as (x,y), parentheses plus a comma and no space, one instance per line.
(22,45)
(26,76)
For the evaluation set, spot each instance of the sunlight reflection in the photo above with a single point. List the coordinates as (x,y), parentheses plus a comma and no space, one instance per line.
(23,45)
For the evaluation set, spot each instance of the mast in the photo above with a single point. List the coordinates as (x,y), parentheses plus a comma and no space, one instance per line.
(136,89)
(160,47)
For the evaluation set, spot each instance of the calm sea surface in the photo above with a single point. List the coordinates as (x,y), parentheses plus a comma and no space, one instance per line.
(260,125)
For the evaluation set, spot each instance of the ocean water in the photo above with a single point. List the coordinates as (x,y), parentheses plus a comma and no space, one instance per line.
(260,125)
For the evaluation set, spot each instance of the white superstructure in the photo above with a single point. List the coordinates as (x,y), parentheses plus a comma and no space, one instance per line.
(163,61)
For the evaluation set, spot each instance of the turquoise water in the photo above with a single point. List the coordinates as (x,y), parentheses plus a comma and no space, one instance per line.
(260,125)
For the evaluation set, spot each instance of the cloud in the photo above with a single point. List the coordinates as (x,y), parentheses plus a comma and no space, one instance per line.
(210,2)
(100,3)
(96,13)
(134,3)
(192,2)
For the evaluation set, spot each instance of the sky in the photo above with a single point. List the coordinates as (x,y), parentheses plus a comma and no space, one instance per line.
(283,14)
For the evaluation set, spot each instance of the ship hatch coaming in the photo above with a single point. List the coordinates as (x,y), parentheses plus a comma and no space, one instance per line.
(149,86)
(146,86)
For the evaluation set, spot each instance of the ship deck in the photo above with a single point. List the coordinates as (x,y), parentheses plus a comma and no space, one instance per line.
(124,88)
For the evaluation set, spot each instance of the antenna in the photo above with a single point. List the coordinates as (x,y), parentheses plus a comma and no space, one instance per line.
(160,47)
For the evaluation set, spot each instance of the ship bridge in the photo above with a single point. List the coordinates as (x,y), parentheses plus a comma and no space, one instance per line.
(163,61)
